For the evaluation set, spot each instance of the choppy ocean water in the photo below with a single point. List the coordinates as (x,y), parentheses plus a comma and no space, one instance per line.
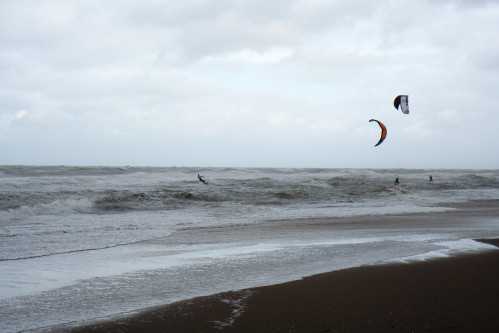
(83,243)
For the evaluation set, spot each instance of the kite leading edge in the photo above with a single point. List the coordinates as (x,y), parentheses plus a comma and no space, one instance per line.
(383,131)
(403,102)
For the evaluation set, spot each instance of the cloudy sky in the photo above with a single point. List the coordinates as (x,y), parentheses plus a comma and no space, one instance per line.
(281,83)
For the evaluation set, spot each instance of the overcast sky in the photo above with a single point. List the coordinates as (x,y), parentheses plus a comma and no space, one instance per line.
(281,83)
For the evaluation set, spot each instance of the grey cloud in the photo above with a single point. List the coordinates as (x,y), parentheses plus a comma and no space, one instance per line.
(246,72)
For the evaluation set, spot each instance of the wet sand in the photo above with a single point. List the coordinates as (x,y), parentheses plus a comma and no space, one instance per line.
(455,294)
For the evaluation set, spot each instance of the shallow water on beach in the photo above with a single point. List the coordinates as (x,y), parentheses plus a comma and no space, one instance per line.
(79,244)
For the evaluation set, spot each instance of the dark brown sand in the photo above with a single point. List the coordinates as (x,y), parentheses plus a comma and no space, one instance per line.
(456,294)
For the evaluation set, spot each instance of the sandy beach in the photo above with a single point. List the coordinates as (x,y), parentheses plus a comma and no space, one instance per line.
(455,294)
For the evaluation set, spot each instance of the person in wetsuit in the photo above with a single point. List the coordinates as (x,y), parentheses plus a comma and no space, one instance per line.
(397,181)
(201,179)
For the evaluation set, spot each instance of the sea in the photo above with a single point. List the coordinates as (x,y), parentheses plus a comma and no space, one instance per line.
(81,244)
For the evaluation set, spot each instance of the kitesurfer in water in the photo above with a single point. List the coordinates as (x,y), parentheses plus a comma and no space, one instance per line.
(431,179)
(397,181)
(201,179)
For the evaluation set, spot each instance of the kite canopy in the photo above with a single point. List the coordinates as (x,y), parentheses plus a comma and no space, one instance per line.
(403,102)
(383,131)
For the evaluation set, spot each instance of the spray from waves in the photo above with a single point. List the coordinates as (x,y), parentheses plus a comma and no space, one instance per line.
(478,181)
(60,206)
(262,191)
(156,199)
(110,201)
(33,191)
(58,171)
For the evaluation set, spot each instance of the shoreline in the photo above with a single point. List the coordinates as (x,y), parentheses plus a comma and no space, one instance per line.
(456,294)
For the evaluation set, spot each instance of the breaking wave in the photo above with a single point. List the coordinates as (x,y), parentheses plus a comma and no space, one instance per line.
(56,207)
(30,191)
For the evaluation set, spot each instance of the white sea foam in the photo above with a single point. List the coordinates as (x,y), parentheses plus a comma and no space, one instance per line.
(82,205)
(449,248)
